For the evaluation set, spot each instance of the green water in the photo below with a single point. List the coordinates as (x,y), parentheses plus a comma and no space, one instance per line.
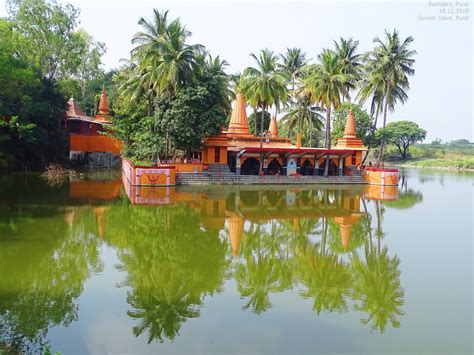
(265,270)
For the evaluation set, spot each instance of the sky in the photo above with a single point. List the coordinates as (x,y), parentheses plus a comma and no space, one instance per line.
(440,95)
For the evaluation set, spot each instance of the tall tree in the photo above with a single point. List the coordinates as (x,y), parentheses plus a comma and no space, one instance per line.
(393,61)
(350,61)
(52,45)
(304,116)
(325,84)
(293,61)
(266,85)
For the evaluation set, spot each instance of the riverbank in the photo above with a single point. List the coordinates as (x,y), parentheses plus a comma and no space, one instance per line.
(439,164)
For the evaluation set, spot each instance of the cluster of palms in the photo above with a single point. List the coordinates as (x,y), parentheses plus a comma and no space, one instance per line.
(304,90)
(162,63)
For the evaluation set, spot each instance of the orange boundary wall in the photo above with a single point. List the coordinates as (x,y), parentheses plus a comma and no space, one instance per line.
(94,144)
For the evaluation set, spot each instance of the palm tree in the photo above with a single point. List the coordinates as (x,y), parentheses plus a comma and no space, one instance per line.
(304,116)
(372,87)
(165,61)
(393,60)
(265,85)
(292,62)
(325,83)
(350,60)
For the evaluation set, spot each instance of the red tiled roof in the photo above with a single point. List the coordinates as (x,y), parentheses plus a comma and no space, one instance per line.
(74,111)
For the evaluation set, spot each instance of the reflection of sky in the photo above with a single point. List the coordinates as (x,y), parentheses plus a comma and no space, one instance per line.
(432,240)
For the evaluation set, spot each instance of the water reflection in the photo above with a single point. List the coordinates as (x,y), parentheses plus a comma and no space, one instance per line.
(319,240)
(179,246)
(47,253)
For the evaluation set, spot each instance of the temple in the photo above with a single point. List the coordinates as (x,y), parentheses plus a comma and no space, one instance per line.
(88,139)
(242,151)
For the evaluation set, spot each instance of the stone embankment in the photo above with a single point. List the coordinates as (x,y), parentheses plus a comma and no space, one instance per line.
(228,178)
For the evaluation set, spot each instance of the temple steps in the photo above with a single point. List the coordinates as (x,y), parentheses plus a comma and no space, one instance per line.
(231,179)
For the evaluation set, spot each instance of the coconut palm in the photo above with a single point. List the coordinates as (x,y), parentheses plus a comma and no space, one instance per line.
(372,87)
(393,60)
(292,62)
(265,86)
(304,116)
(350,60)
(166,62)
(325,83)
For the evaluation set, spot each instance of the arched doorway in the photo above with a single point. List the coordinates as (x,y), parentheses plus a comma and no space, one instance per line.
(250,166)
(274,167)
(307,168)
(332,169)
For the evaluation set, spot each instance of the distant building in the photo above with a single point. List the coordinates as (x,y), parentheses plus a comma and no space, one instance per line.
(88,139)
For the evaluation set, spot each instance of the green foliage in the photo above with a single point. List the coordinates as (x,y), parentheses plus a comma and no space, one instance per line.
(303,117)
(266,122)
(42,57)
(326,84)
(461,142)
(363,122)
(52,45)
(193,114)
(406,199)
(171,95)
(402,134)
(32,107)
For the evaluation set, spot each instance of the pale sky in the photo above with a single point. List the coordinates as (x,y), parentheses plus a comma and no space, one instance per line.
(440,98)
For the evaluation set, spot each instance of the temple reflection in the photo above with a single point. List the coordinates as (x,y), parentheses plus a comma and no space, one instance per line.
(178,245)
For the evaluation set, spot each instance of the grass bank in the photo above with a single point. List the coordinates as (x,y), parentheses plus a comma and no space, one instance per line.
(439,156)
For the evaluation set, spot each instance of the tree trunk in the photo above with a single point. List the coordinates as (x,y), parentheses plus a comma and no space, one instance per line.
(310,133)
(372,134)
(382,141)
(261,140)
(255,121)
(328,139)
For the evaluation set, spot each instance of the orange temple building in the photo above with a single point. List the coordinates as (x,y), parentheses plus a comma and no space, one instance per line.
(87,135)
(242,151)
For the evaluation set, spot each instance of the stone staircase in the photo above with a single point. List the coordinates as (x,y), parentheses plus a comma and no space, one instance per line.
(222,177)
(219,169)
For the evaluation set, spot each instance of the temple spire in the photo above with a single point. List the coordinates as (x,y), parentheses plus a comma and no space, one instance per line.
(238,121)
(350,140)
(273,128)
(350,129)
(104,112)
(103,104)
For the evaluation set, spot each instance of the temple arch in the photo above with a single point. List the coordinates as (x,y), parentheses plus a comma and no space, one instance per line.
(307,168)
(250,166)
(274,167)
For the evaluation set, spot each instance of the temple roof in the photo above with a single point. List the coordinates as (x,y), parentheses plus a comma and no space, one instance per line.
(238,122)
(74,111)
(273,129)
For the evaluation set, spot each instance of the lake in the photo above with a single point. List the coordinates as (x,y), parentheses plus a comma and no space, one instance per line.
(91,266)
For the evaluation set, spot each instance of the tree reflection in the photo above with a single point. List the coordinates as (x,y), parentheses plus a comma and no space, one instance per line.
(171,262)
(326,278)
(264,269)
(44,274)
(377,281)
